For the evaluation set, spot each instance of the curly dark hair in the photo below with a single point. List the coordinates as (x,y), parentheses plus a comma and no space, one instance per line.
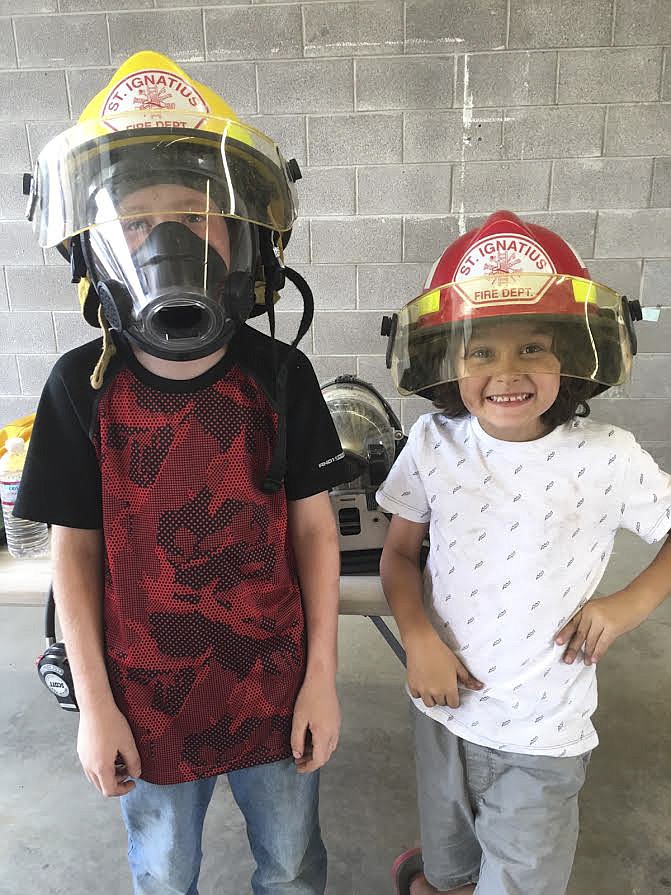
(571,400)
(597,349)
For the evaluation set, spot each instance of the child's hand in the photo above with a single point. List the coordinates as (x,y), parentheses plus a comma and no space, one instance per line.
(598,624)
(316,724)
(107,750)
(433,671)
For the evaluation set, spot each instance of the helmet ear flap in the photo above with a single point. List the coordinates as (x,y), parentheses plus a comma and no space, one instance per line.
(88,297)
(259,306)
(77,259)
(89,301)
(279,242)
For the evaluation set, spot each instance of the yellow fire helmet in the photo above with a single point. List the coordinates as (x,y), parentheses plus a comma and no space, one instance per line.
(170,209)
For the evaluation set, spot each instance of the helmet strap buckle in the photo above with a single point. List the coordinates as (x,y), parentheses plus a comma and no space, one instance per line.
(77,260)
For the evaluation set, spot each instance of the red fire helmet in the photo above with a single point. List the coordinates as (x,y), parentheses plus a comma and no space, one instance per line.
(510,270)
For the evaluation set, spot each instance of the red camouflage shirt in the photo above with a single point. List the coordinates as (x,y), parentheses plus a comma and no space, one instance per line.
(203,617)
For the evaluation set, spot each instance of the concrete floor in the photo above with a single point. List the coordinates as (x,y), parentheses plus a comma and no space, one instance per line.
(60,837)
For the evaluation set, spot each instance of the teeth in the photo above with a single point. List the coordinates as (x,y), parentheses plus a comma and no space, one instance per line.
(508,399)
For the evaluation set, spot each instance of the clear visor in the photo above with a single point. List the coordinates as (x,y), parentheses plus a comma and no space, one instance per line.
(83,177)
(529,324)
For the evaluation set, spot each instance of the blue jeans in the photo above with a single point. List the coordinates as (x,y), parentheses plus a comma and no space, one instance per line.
(281,810)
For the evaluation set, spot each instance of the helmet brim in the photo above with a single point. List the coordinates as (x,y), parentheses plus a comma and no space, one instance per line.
(80,179)
(571,326)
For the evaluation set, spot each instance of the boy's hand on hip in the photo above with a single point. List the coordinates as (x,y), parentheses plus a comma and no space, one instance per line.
(316,724)
(434,671)
(598,624)
(107,750)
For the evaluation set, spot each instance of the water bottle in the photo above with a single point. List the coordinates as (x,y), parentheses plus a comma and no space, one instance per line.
(24,538)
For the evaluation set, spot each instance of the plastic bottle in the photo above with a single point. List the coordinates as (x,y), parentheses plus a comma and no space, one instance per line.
(24,538)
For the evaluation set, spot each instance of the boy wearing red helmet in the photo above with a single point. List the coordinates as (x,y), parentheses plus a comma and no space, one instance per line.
(522,497)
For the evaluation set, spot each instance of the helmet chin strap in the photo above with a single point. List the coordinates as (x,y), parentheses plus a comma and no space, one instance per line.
(108,352)
(275,276)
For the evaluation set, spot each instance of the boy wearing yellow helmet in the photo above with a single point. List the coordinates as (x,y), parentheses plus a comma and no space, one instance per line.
(195,553)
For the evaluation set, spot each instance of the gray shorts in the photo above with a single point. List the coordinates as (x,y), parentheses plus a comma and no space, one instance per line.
(505,821)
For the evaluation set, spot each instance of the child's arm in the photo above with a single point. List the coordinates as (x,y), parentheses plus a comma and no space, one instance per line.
(315,542)
(104,733)
(433,669)
(602,621)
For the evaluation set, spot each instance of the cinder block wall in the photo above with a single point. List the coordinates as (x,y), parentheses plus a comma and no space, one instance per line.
(411,121)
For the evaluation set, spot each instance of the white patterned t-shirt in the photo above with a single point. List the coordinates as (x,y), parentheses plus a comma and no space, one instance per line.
(521,533)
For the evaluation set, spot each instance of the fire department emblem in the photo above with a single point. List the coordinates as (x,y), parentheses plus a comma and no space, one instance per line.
(159,99)
(495,270)
(502,265)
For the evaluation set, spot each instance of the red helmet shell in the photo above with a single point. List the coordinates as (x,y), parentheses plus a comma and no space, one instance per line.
(494,255)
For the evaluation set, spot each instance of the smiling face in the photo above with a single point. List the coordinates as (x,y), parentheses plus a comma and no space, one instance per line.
(509,377)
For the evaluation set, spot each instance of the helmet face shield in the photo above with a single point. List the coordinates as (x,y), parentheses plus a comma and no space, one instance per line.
(168,208)
(527,324)
(83,175)
(167,221)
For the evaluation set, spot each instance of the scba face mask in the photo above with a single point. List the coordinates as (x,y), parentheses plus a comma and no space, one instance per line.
(171,273)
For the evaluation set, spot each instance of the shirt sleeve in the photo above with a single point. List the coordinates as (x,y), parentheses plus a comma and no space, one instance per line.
(403,492)
(646,496)
(60,483)
(315,458)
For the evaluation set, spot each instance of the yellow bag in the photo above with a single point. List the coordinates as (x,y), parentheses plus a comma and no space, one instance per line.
(21,428)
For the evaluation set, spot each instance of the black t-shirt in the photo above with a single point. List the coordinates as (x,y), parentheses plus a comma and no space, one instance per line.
(62,473)
(203,619)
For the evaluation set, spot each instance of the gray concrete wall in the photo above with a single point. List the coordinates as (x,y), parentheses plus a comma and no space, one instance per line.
(411,121)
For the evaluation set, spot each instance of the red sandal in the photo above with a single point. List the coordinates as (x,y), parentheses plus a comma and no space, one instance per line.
(405,868)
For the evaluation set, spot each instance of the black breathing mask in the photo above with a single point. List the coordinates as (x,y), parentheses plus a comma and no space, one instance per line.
(173,296)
